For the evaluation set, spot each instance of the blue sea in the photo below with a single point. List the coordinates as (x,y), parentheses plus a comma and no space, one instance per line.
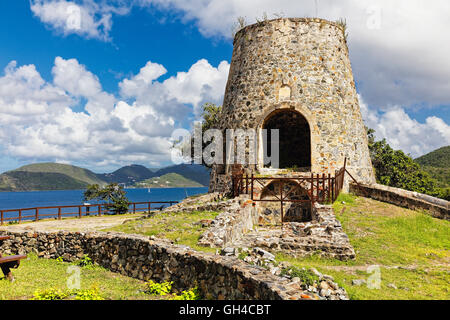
(31,199)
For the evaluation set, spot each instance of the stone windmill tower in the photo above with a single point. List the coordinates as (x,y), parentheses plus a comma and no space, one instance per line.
(294,74)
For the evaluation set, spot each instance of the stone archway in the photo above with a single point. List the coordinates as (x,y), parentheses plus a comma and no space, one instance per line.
(294,138)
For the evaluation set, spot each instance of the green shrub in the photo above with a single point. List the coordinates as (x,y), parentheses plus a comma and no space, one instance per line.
(158,289)
(113,194)
(58,294)
(306,276)
(85,262)
(192,294)
(396,169)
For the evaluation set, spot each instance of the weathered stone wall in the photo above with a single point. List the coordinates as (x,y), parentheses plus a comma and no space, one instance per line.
(239,217)
(217,277)
(302,65)
(235,227)
(438,208)
(323,236)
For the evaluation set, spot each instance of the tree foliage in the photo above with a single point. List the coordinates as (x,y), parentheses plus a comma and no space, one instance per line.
(396,169)
(210,116)
(112,194)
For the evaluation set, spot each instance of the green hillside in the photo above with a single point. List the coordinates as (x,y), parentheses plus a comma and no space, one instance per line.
(194,172)
(74,172)
(128,174)
(34,181)
(437,164)
(47,176)
(169,180)
(439,158)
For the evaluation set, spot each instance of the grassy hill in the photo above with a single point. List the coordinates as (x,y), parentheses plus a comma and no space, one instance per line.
(437,164)
(74,172)
(33,181)
(193,172)
(169,180)
(47,176)
(410,249)
(57,176)
(128,174)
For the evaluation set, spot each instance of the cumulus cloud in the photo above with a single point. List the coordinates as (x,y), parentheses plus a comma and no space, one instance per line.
(86,18)
(399,49)
(38,121)
(404,133)
(201,83)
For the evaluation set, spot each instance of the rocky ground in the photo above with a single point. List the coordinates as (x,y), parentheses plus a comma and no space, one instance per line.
(311,283)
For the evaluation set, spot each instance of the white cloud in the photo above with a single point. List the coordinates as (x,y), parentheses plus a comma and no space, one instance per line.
(404,133)
(37,122)
(85,18)
(399,49)
(201,83)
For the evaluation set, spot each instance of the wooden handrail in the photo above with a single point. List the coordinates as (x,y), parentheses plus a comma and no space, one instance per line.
(38,210)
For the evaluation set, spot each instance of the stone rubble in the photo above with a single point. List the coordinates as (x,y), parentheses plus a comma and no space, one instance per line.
(323,288)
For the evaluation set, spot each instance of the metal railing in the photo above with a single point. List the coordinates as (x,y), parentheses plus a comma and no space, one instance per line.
(321,188)
(58,212)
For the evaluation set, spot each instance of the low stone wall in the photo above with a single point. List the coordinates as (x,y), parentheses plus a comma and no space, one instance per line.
(217,277)
(437,208)
(235,227)
(206,202)
(323,236)
(238,218)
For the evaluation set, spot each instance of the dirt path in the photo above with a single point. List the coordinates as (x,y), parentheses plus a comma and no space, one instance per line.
(73,224)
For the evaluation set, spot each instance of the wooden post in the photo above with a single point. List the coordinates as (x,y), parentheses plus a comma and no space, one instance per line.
(1,214)
(37,214)
(79,212)
(134,207)
(252,186)
(281,197)
(59,213)
(149,207)
(318,187)
(20,215)
(329,188)
(99,209)
(282,214)
(333,182)
(312,190)
(246,183)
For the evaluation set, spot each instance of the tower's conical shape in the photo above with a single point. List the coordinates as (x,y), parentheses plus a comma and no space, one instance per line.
(294,74)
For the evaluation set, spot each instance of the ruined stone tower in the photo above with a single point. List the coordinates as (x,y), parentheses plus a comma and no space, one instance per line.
(294,74)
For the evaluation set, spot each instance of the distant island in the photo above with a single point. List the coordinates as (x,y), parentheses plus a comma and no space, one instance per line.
(169,180)
(57,176)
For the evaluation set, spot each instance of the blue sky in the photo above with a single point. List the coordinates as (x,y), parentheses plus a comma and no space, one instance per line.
(111,91)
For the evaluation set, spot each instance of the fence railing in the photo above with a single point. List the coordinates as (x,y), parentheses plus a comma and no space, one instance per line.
(58,212)
(321,188)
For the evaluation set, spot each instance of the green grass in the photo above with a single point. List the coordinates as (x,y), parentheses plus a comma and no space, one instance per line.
(42,274)
(182,228)
(393,238)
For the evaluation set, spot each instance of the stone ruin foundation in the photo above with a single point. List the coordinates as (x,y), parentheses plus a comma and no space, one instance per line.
(243,224)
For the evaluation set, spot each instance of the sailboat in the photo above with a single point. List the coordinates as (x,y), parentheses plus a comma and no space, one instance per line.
(148,190)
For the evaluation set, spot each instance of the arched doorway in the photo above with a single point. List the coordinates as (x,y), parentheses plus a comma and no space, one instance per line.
(294,139)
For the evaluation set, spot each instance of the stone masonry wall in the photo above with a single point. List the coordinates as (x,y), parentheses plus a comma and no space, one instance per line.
(217,277)
(302,65)
(238,218)
(438,208)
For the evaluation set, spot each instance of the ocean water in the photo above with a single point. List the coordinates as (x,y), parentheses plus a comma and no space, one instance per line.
(31,199)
